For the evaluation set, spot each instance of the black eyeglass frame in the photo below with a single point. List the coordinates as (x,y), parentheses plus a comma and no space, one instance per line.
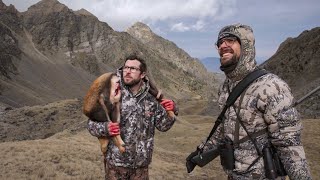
(228,40)
(132,69)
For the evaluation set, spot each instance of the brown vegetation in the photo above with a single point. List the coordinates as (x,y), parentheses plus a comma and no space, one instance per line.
(74,154)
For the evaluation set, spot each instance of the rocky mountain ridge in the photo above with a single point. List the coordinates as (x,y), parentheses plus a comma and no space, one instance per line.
(52,53)
(167,49)
(297,62)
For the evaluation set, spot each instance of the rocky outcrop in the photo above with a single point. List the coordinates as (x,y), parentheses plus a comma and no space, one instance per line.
(62,51)
(297,62)
(10,51)
(40,122)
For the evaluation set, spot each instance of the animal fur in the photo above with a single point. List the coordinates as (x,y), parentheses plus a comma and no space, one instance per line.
(159,96)
(101,105)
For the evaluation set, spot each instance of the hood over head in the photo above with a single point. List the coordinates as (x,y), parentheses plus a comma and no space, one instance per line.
(247,62)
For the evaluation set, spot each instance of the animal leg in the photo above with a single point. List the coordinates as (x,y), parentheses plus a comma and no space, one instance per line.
(117,139)
(104,107)
(104,141)
(104,145)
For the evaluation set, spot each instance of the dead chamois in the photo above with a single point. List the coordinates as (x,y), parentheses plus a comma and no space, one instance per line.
(157,93)
(102,103)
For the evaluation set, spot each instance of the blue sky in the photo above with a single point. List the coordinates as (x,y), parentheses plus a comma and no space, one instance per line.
(193,25)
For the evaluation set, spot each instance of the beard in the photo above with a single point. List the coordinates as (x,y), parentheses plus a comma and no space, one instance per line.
(231,64)
(133,82)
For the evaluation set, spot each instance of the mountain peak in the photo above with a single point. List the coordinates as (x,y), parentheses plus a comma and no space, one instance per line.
(83,12)
(141,32)
(8,9)
(141,26)
(48,6)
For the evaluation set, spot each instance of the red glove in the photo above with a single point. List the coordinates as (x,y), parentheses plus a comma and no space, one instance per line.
(113,129)
(167,104)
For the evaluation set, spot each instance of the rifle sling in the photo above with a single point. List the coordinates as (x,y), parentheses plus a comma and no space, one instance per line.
(236,91)
(237,126)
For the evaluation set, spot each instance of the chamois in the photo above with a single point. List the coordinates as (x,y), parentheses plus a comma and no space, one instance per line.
(101,102)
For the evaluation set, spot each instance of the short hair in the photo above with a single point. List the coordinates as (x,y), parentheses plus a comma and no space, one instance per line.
(143,65)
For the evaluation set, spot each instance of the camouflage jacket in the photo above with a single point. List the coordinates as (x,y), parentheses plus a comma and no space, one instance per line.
(265,104)
(140,115)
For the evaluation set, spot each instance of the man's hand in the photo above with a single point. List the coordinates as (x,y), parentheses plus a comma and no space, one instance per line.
(168,104)
(113,129)
(189,164)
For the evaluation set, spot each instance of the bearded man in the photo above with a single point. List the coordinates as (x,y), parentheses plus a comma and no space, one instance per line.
(141,114)
(262,117)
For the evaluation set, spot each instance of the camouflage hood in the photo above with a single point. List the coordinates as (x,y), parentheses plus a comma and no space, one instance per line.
(247,62)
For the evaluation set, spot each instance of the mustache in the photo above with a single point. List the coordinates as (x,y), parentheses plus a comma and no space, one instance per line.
(226,50)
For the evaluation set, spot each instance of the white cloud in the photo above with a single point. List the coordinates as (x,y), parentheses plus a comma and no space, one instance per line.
(180,27)
(121,14)
(199,25)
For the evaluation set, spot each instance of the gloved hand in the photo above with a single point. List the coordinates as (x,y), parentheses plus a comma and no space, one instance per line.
(113,129)
(189,164)
(168,104)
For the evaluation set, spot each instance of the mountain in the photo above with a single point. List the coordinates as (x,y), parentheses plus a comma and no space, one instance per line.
(51,53)
(212,64)
(10,51)
(176,58)
(297,62)
(167,49)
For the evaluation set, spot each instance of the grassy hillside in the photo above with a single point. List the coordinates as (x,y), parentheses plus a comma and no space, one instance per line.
(73,153)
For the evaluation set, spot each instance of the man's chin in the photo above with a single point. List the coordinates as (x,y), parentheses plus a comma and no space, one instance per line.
(131,83)
(128,83)
(225,62)
(228,60)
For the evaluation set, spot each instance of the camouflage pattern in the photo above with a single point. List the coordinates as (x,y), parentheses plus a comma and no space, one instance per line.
(266,103)
(140,115)
(116,173)
(247,62)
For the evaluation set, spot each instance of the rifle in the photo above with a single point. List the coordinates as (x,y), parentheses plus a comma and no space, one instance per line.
(305,97)
(204,158)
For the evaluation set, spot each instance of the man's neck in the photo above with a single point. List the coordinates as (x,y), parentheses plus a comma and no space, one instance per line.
(135,89)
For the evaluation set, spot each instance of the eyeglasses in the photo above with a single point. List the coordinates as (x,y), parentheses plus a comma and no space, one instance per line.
(132,69)
(229,41)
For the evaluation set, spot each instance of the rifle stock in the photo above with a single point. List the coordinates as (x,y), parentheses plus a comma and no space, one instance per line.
(204,158)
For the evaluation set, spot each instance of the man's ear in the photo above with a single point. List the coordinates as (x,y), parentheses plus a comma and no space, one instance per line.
(143,75)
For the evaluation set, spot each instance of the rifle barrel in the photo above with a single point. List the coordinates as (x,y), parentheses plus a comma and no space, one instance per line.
(307,95)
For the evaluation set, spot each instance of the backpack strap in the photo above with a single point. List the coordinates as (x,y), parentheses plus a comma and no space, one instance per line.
(235,93)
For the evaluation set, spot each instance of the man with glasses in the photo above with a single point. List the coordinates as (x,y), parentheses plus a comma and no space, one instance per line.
(141,113)
(261,117)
